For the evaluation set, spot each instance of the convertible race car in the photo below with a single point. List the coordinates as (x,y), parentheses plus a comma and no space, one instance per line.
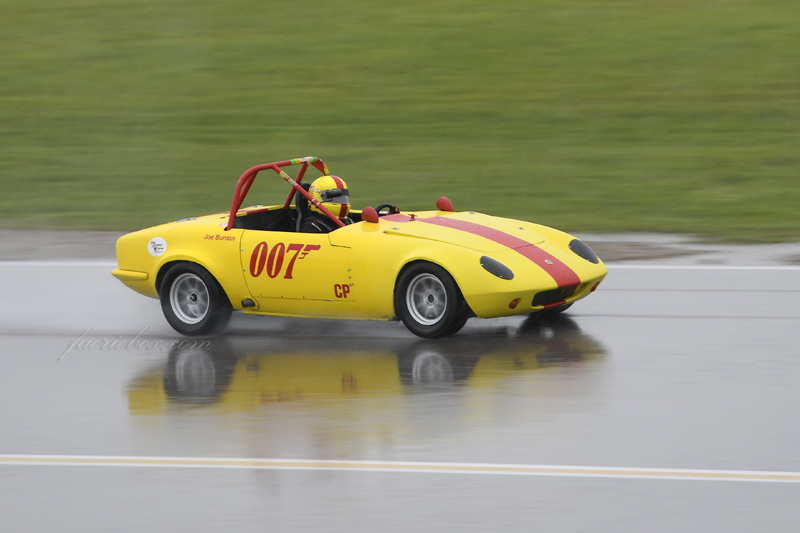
(431,269)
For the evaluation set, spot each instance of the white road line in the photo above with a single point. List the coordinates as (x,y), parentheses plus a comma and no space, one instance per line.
(97,263)
(400,466)
(613,266)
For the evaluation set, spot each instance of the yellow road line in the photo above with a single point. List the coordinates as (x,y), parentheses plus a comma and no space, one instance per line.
(398,466)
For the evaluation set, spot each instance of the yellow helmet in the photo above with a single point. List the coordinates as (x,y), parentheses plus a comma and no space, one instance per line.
(331,192)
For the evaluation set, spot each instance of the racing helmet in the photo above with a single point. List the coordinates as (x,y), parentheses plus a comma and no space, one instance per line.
(331,192)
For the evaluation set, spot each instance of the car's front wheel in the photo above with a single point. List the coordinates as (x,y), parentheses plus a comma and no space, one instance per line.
(428,301)
(192,301)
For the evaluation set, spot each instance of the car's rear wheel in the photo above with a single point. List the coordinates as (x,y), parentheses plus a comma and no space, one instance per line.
(428,301)
(192,301)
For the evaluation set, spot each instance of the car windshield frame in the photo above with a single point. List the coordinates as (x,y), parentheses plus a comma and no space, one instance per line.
(246,181)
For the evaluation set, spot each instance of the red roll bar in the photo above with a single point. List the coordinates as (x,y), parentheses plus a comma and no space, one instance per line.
(246,180)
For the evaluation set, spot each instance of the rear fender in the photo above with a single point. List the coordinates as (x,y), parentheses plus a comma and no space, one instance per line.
(221,257)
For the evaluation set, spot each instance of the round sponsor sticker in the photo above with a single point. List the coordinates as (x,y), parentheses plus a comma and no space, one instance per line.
(157,246)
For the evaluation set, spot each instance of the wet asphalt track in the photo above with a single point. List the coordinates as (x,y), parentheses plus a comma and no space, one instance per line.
(694,370)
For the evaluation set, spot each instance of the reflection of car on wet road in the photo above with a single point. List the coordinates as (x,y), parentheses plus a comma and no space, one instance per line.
(240,373)
(431,269)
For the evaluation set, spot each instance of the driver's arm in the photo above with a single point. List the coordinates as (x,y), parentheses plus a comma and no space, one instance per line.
(316,224)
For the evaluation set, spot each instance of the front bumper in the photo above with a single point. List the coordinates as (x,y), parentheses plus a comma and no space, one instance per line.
(129,275)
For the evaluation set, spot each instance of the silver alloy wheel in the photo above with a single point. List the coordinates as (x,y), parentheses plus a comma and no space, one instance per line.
(426,299)
(189,298)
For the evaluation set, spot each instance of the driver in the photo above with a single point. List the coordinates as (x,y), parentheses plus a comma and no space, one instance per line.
(331,192)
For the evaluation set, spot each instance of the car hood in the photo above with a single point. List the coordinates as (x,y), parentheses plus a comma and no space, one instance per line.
(475,231)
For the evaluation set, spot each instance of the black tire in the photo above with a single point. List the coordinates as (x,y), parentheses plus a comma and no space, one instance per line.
(192,301)
(463,315)
(428,301)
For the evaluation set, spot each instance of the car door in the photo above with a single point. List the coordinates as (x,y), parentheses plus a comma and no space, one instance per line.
(291,266)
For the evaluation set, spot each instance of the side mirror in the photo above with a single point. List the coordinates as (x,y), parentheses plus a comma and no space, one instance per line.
(444,204)
(368,214)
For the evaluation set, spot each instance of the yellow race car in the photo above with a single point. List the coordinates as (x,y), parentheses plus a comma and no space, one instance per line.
(431,269)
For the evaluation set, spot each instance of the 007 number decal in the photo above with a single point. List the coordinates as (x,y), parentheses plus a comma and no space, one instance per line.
(275,258)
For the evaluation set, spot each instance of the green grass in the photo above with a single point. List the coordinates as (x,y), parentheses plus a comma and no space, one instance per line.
(645,115)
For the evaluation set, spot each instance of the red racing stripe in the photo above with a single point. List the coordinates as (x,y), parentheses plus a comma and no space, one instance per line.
(561,273)
(398,217)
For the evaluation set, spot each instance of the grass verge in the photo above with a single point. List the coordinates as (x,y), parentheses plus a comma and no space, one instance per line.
(645,115)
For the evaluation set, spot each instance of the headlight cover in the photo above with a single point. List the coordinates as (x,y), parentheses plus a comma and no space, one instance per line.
(496,267)
(582,249)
